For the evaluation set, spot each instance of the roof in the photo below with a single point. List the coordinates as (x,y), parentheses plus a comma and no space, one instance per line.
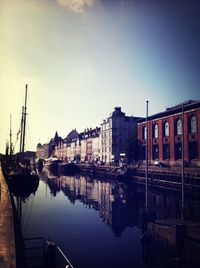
(73,134)
(117,112)
(39,145)
(187,105)
(89,133)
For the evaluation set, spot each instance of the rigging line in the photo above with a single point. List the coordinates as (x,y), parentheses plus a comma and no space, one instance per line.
(16,139)
(29,212)
(31,129)
(29,135)
(24,209)
(24,214)
(14,143)
(18,130)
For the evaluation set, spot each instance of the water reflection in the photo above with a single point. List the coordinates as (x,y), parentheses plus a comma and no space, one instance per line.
(117,206)
(23,190)
(98,223)
(121,205)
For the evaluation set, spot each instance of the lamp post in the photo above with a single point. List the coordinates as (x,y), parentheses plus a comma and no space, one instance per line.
(147,171)
(182,180)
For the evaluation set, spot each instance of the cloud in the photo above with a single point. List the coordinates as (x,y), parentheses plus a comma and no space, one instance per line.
(76,5)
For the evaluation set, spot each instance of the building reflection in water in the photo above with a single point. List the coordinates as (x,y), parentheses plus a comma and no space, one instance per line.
(120,205)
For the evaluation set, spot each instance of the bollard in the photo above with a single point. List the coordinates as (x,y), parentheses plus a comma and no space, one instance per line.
(144,220)
(51,255)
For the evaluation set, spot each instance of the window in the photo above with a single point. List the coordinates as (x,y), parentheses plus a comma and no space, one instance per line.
(178,151)
(193,124)
(155,132)
(166,151)
(144,133)
(155,152)
(193,150)
(166,129)
(179,127)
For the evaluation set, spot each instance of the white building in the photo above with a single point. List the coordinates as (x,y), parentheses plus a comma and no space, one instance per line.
(116,133)
(95,147)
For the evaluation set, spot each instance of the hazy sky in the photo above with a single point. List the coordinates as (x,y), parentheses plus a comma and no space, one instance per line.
(81,58)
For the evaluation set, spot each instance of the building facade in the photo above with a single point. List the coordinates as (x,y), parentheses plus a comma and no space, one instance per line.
(117,132)
(89,141)
(165,133)
(65,149)
(79,146)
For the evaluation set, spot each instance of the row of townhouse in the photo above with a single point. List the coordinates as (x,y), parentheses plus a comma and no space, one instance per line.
(82,146)
(120,135)
(105,143)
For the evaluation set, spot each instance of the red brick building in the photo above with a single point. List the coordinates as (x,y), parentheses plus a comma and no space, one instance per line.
(165,135)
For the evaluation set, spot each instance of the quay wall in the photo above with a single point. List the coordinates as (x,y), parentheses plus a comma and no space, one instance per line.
(157,177)
(7,237)
(186,247)
(105,171)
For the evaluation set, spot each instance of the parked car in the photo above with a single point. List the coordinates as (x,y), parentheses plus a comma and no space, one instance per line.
(101,163)
(159,164)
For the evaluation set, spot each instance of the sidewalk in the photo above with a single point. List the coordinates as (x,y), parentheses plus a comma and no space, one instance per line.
(7,239)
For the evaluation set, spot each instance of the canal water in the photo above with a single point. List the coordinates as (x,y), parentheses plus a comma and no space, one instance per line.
(98,222)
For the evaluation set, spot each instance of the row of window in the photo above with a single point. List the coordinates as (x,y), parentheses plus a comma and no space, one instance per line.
(192,151)
(192,128)
(109,149)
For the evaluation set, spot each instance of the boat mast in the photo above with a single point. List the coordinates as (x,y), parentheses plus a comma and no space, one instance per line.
(21,130)
(10,135)
(23,124)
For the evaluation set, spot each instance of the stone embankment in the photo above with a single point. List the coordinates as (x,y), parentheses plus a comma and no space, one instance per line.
(103,171)
(182,236)
(169,178)
(7,238)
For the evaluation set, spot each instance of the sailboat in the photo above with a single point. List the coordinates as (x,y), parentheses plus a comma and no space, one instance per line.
(19,169)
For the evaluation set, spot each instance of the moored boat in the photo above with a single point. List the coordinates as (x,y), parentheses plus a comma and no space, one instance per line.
(68,168)
(19,168)
(52,164)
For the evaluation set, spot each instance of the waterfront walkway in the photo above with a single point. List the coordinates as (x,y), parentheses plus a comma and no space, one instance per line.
(7,238)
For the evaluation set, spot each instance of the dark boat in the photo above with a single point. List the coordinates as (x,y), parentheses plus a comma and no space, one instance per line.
(22,186)
(19,169)
(51,164)
(40,164)
(68,168)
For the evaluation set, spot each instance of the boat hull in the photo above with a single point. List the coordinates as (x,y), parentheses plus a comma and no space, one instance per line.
(68,169)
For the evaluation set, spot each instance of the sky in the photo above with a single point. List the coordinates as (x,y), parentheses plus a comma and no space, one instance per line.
(81,58)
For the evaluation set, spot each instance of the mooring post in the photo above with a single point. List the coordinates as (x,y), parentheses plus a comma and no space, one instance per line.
(51,255)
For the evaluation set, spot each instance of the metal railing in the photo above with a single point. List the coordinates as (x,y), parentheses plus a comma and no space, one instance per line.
(35,248)
(62,260)
(44,254)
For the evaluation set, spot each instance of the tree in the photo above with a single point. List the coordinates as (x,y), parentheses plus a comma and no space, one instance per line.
(133,149)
